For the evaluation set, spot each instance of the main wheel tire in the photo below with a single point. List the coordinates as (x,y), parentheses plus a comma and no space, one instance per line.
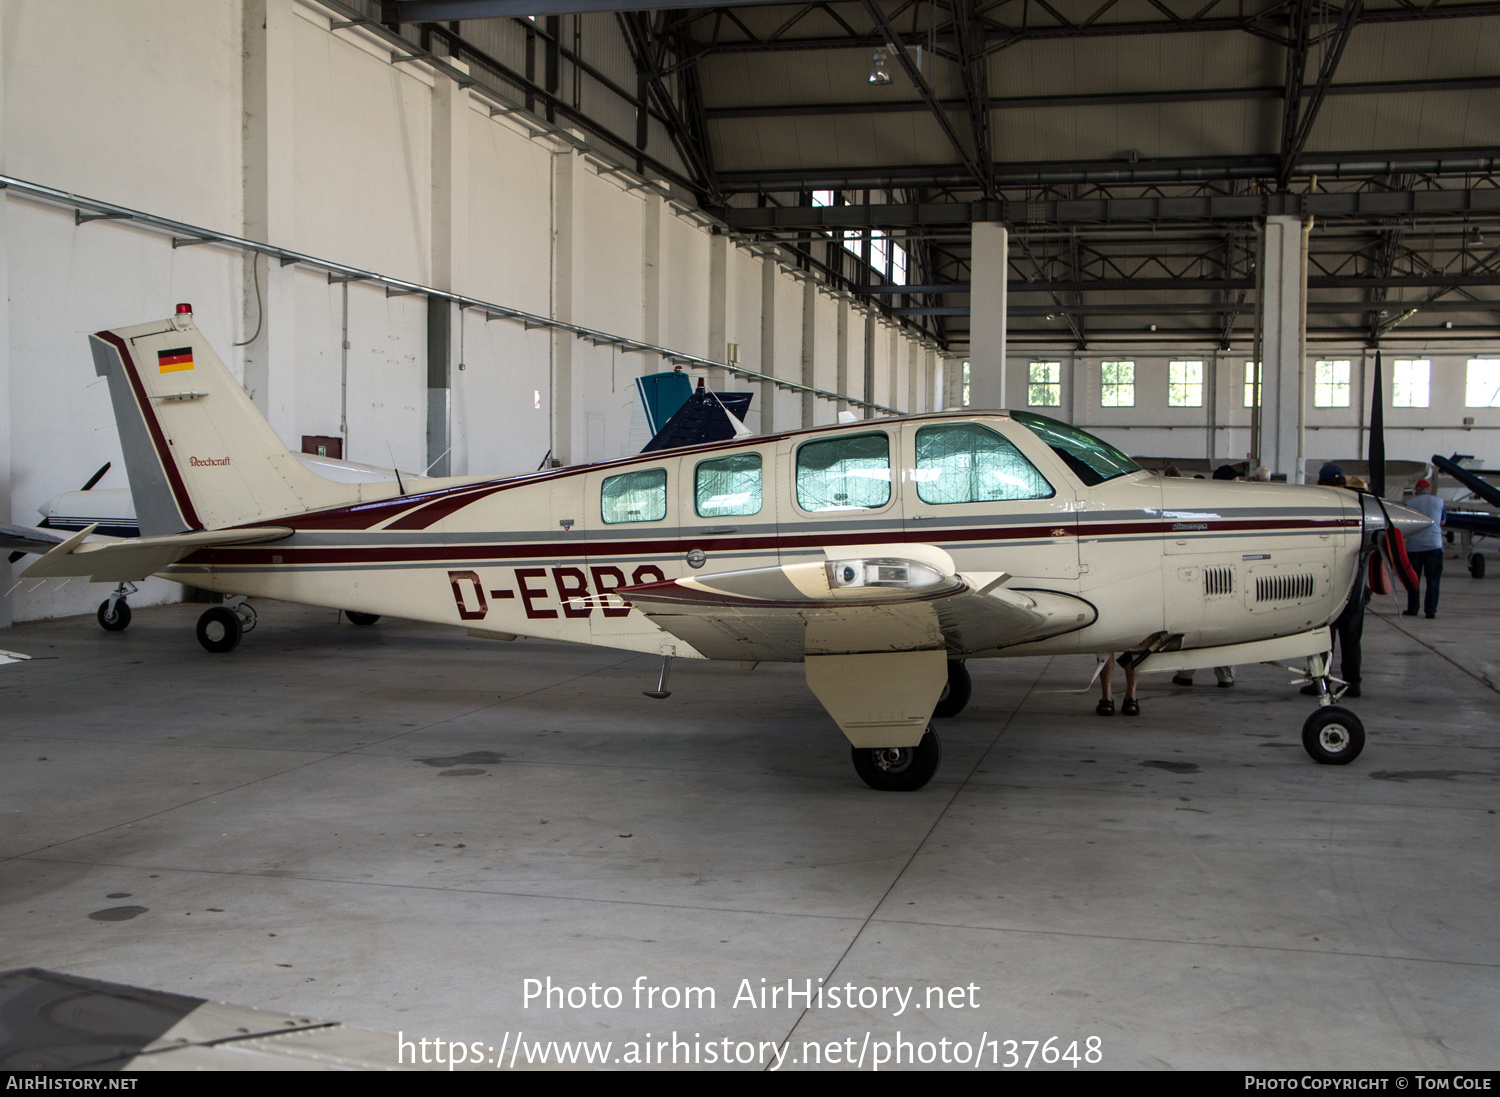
(956,693)
(899,769)
(1476,565)
(1333,736)
(219,630)
(361,618)
(118,621)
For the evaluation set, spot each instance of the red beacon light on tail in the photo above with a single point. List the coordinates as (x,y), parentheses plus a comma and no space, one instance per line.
(184,309)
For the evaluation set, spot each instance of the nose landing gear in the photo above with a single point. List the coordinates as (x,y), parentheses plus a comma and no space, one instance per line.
(1332,736)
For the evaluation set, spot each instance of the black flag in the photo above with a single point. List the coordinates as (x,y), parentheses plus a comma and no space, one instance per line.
(1377,433)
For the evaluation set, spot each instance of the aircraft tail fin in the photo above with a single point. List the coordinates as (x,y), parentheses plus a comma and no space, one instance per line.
(198,453)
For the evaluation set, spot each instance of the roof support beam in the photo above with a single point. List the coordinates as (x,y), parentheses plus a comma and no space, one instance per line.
(1095,99)
(1297,117)
(976,170)
(1101,211)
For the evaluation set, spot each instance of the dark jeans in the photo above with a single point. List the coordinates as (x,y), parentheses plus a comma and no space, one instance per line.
(1430,565)
(1349,629)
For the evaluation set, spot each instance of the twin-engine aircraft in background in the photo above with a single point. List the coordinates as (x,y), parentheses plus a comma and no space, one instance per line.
(880,554)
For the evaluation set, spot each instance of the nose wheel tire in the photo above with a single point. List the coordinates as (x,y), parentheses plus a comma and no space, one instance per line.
(1333,736)
(956,693)
(219,630)
(898,769)
(1476,565)
(361,618)
(117,620)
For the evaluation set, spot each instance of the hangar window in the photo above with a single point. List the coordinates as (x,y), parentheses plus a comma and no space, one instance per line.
(1252,382)
(1483,389)
(726,486)
(1411,383)
(1331,385)
(1044,385)
(969,463)
(634,497)
(848,473)
(1119,384)
(1185,384)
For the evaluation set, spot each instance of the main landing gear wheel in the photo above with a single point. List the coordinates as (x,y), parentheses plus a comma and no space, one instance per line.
(956,693)
(361,618)
(1333,736)
(1476,565)
(219,630)
(114,620)
(899,769)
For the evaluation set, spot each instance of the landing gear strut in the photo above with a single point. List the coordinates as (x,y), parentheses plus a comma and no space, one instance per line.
(1332,736)
(114,611)
(899,769)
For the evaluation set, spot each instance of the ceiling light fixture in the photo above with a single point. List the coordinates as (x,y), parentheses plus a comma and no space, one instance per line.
(878,74)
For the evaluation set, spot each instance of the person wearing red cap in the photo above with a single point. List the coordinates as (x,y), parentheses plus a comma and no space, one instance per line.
(1425,549)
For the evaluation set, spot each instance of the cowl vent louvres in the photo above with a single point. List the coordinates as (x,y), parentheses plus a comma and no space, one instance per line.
(1218,581)
(1283,588)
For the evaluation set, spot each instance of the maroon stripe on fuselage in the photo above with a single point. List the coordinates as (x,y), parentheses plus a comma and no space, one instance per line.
(500,550)
(158,439)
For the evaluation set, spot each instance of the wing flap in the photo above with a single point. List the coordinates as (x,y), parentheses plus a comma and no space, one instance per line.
(896,598)
(135,558)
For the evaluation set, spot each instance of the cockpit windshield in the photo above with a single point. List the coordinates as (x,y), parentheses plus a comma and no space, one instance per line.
(1093,461)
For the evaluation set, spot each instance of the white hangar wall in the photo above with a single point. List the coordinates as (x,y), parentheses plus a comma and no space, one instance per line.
(1220,428)
(256,119)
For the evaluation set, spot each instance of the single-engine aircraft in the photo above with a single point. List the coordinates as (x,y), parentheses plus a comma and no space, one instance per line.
(881,554)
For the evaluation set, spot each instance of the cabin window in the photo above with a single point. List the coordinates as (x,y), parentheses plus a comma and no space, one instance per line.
(852,472)
(634,497)
(1091,459)
(969,463)
(726,486)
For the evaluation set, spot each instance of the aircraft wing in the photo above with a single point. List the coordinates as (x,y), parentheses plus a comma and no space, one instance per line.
(24,539)
(860,599)
(132,558)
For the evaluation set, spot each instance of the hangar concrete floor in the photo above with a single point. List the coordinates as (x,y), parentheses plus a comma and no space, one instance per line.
(394,827)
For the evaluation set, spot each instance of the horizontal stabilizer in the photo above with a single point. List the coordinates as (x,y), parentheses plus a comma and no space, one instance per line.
(24,539)
(135,558)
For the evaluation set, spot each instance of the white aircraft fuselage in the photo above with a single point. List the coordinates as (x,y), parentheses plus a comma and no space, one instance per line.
(879,553)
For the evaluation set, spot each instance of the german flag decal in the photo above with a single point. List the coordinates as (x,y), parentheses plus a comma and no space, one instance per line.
(173,361)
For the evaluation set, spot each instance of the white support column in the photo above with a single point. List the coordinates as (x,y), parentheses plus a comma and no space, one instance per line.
(841,366)
(565,168)
(651,300)
(270,187)
(7,401)
(1283,320)
(450,235)
(987,302)
(809,349)
(769,272)
(913,378)
(718,307)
